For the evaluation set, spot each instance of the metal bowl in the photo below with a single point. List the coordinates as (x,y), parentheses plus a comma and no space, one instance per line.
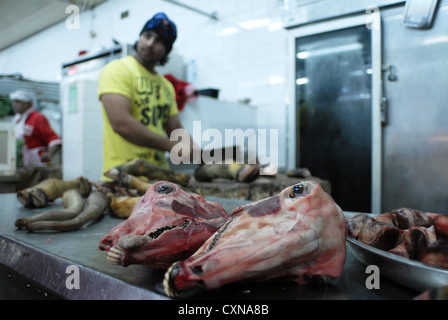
(409,273)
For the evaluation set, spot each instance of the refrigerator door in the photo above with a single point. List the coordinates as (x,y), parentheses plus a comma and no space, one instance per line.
(337,109)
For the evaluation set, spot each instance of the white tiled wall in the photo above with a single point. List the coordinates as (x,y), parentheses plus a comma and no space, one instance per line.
(243,53)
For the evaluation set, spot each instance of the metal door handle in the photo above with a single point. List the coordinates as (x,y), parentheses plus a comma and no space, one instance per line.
(392,72)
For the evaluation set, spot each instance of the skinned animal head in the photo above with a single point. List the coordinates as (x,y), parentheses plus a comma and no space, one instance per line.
(299,234)
(166,225)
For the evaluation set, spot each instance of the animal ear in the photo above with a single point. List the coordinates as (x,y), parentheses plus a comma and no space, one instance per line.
(183,209)
(270,205)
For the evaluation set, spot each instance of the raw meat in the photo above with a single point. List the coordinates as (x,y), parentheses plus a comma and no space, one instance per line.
(413,234)
(299,234)
(436,254)
(166,225)
(376,233)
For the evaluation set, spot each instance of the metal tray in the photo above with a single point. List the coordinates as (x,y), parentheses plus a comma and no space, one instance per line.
(409,273)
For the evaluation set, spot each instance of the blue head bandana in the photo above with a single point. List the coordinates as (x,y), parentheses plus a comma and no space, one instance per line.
(164,27)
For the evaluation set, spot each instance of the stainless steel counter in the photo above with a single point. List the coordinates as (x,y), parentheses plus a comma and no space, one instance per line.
(45,265)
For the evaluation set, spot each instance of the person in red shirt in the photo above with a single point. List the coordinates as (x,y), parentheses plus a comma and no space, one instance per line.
(41,142)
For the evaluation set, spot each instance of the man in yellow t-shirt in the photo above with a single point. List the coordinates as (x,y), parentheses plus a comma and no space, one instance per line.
(139,105)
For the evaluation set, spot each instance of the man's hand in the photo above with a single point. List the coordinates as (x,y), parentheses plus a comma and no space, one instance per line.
(46,157)
(50,153)
(184,149)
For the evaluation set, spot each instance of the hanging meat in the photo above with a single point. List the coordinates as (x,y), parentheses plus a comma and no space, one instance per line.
(299,233)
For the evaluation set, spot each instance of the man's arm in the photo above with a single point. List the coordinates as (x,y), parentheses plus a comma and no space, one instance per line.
(118,110)
(52,151)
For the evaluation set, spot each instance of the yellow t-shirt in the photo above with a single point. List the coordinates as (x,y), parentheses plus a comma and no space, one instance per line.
(153,101)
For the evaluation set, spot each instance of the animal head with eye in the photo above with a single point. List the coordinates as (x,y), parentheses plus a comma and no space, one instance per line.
(298,234)
(165,188)
(273,205)
(297,190)
(166,225)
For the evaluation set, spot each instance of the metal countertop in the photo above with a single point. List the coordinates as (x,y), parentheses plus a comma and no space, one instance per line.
(46,262)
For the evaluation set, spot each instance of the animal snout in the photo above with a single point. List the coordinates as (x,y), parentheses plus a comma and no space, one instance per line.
(130,241)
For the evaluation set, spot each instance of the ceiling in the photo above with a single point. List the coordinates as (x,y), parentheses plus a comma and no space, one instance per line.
(20,19)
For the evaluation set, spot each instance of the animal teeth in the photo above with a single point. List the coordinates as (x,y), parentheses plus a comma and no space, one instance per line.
(166,283)
(117,249)
(112,260)
(113,255)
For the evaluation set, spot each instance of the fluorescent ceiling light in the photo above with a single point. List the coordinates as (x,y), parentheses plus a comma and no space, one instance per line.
(253,24)
(228,31)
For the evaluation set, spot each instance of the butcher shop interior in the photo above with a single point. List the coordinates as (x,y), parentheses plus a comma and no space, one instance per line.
(210,150)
